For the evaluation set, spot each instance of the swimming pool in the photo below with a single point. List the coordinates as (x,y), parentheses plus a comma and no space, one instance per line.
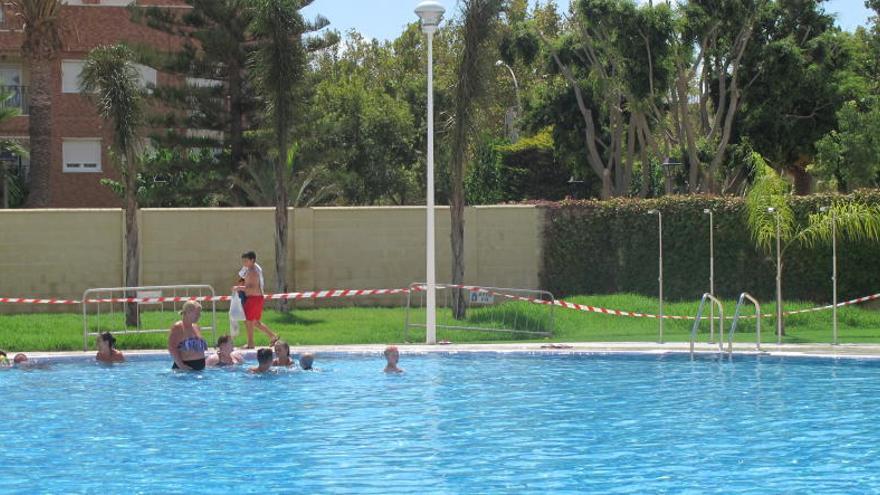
(468,423)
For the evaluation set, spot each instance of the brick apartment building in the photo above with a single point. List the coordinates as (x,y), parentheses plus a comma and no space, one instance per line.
(80,138)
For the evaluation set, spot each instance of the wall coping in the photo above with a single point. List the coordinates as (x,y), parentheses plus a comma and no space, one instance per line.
(259,208)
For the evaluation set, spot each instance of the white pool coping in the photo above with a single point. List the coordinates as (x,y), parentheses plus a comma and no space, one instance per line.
(860,351)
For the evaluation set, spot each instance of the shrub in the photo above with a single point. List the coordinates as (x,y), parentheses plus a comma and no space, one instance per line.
(594,247)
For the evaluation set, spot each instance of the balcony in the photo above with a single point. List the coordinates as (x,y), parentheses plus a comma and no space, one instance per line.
(17,98)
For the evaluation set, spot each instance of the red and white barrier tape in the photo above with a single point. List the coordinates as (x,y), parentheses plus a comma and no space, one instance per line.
(322,294)
(617,312)
(325,294)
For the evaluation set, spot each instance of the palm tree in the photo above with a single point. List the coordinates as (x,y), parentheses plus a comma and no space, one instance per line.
(278,65)
(479,17)
(853,220)
(112,80)
(304,188)
(42,43)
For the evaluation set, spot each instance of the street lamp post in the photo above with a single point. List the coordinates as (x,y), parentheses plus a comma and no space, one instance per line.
(660,278)
(430,13)
(709,212)
(833,271)
(514,133)
(778,276)
(501,63)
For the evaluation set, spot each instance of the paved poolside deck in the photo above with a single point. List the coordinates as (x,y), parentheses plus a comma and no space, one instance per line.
(818,350)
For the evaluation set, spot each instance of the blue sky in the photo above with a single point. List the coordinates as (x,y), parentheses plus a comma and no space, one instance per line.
(384,19)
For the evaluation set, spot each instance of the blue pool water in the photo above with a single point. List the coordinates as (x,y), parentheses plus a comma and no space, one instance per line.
(484,423)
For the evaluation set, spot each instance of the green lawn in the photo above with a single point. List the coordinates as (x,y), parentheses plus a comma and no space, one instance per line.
(358,325)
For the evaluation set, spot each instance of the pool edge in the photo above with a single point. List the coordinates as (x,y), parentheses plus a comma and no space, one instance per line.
(827,351)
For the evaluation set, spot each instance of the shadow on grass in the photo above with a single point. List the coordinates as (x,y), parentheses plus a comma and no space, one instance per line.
(294,318)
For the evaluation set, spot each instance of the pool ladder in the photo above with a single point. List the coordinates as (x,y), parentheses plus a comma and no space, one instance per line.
(714,300)
(742,298)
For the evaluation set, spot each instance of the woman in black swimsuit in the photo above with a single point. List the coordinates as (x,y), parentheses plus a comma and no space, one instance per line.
(185,342)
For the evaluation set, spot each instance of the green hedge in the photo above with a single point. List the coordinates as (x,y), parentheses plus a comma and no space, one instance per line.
(594,247)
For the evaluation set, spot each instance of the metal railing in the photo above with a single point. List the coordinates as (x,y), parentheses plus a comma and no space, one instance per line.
(488,309)
(97,297)
(17,98)
(707,297)
(742,298)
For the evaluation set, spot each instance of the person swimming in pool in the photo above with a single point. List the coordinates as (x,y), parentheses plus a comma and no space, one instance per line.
(107,352)
(264,361)
(282,353)
(185,342)
(4,360)
(226,354)
(306,361)
(392,356)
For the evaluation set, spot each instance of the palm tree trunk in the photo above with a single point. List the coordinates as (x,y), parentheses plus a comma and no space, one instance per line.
(456,210)
(281,224)
(40,132)
(132,241)
(236,112)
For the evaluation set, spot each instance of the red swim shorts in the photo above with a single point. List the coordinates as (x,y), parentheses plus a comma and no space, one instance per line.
(253,308)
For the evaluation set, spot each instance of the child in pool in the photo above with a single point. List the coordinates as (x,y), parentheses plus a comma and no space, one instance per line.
(306,360)
(264,361)
(107,352)
(392,356)
(282,351)
(226,354)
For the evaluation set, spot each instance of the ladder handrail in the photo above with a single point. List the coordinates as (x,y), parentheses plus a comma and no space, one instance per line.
(700,315)
(742,297)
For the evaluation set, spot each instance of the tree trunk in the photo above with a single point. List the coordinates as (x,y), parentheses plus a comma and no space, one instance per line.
(40,132)
(607,185)
(236,112)
(456,211)
(803,181)
(281,224)
(132,241)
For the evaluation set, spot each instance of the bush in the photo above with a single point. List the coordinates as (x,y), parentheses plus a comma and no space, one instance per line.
(593,247)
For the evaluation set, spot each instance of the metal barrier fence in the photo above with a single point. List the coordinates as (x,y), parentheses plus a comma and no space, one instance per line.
(104,312)
(488,309)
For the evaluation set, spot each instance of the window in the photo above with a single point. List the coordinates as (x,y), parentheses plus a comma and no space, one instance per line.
(81,154)
(70,71)
(148,75)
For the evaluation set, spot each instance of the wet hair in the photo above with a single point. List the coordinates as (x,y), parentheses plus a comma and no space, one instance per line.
(109,338)
(249,255)
(283,344)
(20,358)
(223,339)
(264,355)
(306,360)
(391,349)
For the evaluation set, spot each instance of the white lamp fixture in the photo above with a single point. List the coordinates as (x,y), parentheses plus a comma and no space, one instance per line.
(431,13)
(660,269)
(828,209)
(778,275)
(707,211)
